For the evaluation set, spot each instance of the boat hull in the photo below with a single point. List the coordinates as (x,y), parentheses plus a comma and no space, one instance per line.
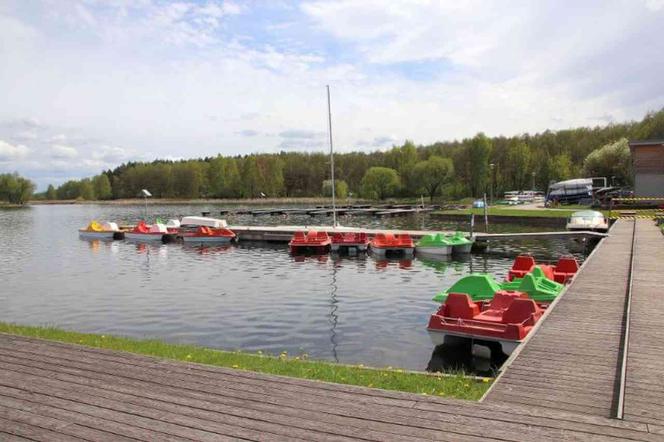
(96,235)
(434,251)
(439,337)
(382,251)
(207,239)
(359,246)
(144,237)
(462,249)
(601,228)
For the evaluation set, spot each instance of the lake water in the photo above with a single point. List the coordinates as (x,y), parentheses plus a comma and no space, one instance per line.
(249,296)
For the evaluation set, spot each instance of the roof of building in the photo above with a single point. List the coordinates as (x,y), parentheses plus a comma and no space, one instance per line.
(659,142)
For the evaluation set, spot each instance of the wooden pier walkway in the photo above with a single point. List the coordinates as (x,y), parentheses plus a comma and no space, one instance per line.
(561,386)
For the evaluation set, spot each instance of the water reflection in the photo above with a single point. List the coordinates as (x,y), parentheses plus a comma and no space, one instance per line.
(334,317)
(383,263)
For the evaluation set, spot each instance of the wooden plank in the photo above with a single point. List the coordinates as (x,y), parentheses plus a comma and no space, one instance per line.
(473,416)
(644,391)
(555,353)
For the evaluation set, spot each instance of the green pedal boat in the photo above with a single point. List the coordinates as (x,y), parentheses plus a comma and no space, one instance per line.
(434,245)
(482,287)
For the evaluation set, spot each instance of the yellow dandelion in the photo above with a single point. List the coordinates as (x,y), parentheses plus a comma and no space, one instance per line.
(235,366)
(486,380)
(188,356)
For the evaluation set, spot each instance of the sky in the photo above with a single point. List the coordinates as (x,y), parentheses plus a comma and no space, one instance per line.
(86,85)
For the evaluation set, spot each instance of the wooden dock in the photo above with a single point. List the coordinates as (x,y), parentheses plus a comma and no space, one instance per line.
(285,233)
(564,384)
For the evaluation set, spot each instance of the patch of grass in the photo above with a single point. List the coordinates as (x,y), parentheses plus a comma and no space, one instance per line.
(448,385)
(505,211)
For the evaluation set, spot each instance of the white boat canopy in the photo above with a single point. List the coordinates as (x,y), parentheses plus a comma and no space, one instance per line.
(203,221)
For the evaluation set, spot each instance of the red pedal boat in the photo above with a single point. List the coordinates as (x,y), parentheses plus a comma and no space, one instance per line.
(523,264)
(506,319)
(317,242)
(352,240)
(389,242)
(562,272)
(208,235)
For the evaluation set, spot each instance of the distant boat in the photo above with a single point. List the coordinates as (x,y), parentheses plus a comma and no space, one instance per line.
(312,241)
(208,235)
(97,230)
(143,232)
(436,245)
(588,220)
(390,242)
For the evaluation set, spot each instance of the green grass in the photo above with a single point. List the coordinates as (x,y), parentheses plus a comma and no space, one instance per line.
(449,385)
(504,211)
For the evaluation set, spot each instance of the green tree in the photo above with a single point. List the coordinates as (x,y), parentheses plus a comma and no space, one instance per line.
(380,183)
(102,187)
(250,177)
(50,193)
(403,160)
(611,160)
(517,169)
(432,174)
(15,189)
(560,168)
(86,190)
(479,150)
(340,188)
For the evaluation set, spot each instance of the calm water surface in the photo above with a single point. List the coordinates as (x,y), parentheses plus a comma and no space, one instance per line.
(250,296)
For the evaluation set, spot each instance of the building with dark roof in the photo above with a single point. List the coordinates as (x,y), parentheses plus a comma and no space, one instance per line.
(648,167)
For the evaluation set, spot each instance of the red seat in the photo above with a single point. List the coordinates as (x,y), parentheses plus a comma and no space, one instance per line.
(565,269)
(522,311)
(459,305)
(298,236)
(501,301)
(522,264)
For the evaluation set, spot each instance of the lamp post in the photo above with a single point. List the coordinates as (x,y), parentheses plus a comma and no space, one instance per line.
(146,194)
(491,168)
(533,187)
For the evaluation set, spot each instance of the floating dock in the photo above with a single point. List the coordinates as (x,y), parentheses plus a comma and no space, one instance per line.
(591,370)
(285,233)
(353,210)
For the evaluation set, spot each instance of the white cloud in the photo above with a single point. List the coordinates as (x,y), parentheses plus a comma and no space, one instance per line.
(63,152)
(126,80)
(10,152)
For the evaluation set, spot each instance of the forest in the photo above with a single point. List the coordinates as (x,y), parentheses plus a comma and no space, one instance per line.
(449,169)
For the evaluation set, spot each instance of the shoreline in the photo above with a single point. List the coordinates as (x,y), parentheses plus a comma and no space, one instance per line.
(452,385)
(216,201)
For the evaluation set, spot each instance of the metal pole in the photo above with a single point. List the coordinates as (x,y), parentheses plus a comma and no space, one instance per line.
(329,116)
(486,216)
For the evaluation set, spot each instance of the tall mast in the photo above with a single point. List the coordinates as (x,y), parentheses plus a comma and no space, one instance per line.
(329,117)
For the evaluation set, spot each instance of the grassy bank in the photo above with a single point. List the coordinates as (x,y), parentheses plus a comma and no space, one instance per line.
(455,385)
(504,211)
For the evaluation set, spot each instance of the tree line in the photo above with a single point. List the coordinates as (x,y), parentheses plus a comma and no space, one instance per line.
(468,167)
(14,189)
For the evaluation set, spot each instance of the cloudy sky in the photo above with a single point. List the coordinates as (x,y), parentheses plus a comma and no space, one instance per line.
(88,84)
